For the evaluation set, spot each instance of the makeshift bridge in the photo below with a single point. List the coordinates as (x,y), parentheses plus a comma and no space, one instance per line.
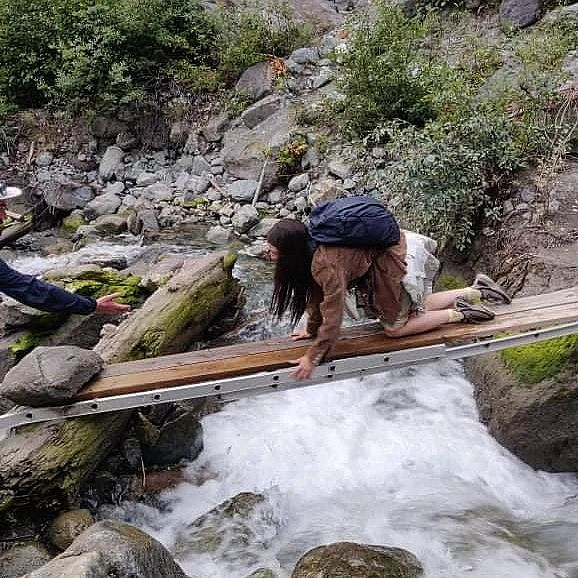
(250,369)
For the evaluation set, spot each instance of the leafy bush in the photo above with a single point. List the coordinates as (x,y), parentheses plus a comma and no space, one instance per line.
(383,71)
(106,53)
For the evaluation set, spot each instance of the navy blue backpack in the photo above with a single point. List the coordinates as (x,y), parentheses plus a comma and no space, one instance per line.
(353,222)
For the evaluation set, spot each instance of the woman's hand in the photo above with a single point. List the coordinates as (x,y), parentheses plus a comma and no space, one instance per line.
(304,368)
(109,306)
(300,334)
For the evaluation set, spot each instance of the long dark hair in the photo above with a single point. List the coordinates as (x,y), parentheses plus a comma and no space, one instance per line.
(293,278)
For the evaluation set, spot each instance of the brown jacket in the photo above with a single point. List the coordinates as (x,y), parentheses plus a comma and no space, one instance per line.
(378,272)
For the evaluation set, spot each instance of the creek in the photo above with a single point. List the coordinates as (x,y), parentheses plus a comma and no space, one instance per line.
(398,459)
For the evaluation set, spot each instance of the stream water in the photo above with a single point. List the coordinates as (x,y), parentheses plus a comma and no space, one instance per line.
(398,459)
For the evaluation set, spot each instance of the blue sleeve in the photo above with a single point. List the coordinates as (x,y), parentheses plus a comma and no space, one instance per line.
(41,295)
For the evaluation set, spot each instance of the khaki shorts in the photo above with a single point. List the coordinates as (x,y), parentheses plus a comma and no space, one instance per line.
(407,309)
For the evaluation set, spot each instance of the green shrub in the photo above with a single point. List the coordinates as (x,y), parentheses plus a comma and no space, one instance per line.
(103,54)
(384,70)
(534,363)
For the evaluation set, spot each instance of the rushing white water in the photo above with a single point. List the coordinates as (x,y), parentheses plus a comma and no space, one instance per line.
(399,459)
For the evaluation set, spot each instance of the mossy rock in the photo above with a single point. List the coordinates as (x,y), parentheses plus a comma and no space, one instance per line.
(447,282)
(71,223)
(95,284)
(534,363)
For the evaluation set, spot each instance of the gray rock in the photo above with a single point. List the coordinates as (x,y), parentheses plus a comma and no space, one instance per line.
(214,131)
(143,222)
(111,164)
(232,528)
(65,195)
(217,170)
(256,81)
(297,183)
(322,191)
(115,188)
(200,166)
(357,561)
(110,224)
(349,184)
(126,140)
(263,573)
(67,526)
(242,191)
(339,169)
(50,375)
(324,77)
(179,133)
(198,185)
(528,195)
(146,179)
(159,192)
(185,163)
(275,196)
(245,218)
(106,204)
(110,548)
(520,13)
(261,110)
(22,558)
(44,159)
(219,235)
(243,147)
(301,204)
(263,227)
(305,55)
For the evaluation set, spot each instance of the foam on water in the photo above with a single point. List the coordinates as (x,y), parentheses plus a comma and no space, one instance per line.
(398,459)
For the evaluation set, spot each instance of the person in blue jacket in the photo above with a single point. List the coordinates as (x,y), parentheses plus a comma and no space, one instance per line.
(47,297)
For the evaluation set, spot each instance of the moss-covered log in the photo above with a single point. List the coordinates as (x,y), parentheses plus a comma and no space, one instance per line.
(176,314)
(45,465)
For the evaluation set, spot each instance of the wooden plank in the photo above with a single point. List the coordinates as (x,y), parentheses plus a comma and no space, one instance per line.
(268,356)
(557,298)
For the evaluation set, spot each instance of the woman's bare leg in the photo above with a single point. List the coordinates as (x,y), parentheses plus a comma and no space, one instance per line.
(445,299)
(425,322)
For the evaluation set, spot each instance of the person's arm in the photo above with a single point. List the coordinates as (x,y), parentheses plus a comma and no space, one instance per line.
(333,284)
(42,295)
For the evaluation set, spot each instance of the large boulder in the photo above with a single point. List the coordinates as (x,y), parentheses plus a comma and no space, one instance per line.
(245,150)
(529,401)
(110,548)
(261,110)
(106,204)
(350,560)
(256,81)
(67,526)
(245,218)
(65,195)
(111,163)
(50,375)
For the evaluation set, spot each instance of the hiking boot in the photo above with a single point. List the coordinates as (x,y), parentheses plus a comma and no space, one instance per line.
(473,313)
(490,290)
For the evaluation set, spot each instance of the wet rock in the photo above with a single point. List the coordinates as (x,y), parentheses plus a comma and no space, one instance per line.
(245,218)
(106,204)
(242,191)
(228,530)
(535,421)
(111,164)
(180,437)
(350,560)
(67,526)
(22,558)
(219,235)
(50,375)
(263,573)
(110,548)
(256,81)
(261,110)
(520,13)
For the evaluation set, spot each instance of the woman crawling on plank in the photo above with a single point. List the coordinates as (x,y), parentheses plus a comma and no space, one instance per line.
(392,282)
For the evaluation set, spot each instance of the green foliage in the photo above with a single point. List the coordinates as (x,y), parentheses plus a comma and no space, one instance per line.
(249,34)
(106,54)
(534,363)
(290,155)
(384,71)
